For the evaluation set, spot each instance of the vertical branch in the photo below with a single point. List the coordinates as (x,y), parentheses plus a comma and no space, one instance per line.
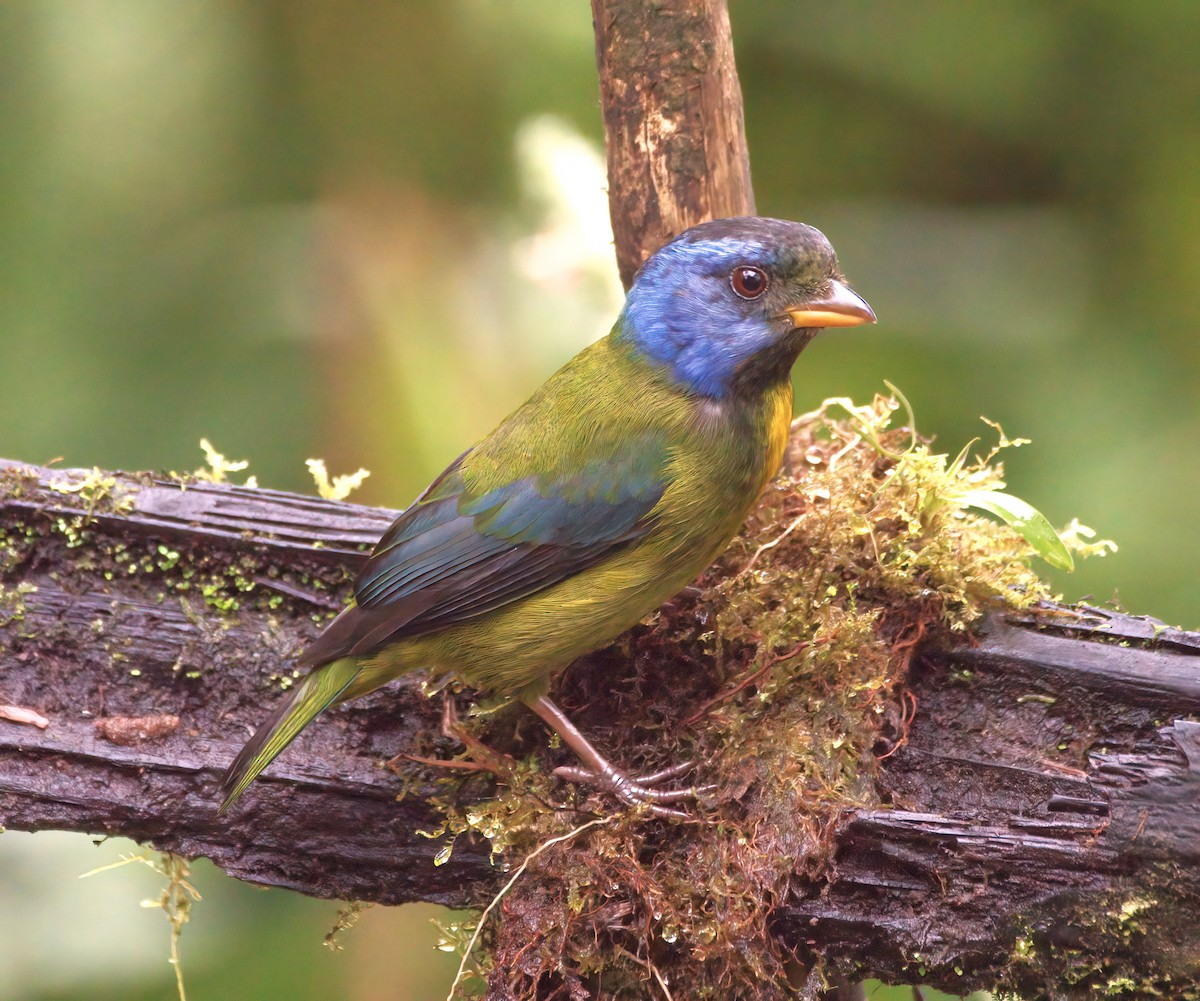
(673,121)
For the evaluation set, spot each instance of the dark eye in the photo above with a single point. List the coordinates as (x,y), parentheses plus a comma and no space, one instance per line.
(748,282)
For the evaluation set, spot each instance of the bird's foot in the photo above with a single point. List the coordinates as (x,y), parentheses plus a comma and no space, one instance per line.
(640,791)
(600,773)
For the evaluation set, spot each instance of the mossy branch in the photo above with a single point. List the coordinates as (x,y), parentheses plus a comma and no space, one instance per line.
(1026,789)
(148,620)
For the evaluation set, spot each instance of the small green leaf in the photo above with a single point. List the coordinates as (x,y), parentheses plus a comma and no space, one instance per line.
(960,460)
(1029,522)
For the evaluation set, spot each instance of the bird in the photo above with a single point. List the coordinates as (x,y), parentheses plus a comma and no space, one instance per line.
(603,495)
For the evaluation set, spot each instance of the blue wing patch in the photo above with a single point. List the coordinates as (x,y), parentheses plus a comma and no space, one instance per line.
(454,555)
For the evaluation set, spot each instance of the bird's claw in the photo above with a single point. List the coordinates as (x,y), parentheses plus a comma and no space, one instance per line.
(640,791)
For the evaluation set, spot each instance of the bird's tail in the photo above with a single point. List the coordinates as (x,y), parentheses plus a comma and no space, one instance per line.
(315,693)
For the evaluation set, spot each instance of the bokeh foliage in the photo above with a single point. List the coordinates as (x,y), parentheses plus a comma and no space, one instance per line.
(307,228)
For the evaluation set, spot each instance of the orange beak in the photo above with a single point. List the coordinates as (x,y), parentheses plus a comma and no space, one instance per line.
(840,307)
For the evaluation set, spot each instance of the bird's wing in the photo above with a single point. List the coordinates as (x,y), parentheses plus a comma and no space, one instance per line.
(459,552)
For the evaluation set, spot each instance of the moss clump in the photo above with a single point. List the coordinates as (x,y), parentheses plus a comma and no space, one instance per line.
(98,491)
(12,602)
(1135,944)
(783,678)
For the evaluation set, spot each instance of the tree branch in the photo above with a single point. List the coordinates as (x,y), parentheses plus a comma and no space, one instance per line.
(673,121)
(1045,819)
(1051,776)
(150,621)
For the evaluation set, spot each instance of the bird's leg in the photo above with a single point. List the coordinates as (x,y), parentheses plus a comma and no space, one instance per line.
(480,757)
(494,761)
(602,774)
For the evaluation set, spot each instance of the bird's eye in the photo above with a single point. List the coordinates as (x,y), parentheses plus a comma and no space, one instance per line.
(748,282)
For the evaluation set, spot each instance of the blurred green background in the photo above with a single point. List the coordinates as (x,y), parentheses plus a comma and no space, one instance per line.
(366,231)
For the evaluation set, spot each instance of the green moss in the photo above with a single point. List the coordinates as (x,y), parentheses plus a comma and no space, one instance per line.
(165,571)
(97,490)
(16,542)
(1140,944)
(796,654)
(12,602)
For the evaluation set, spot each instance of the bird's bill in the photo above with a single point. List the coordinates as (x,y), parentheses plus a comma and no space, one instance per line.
(840,307)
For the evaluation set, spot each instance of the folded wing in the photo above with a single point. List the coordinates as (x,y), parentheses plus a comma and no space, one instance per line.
(459,552)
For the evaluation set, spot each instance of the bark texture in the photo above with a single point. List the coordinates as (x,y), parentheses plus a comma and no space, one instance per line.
(673,121)
(150,622)
(1044,833)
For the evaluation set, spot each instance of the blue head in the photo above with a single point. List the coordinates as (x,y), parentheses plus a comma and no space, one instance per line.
(728,305)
